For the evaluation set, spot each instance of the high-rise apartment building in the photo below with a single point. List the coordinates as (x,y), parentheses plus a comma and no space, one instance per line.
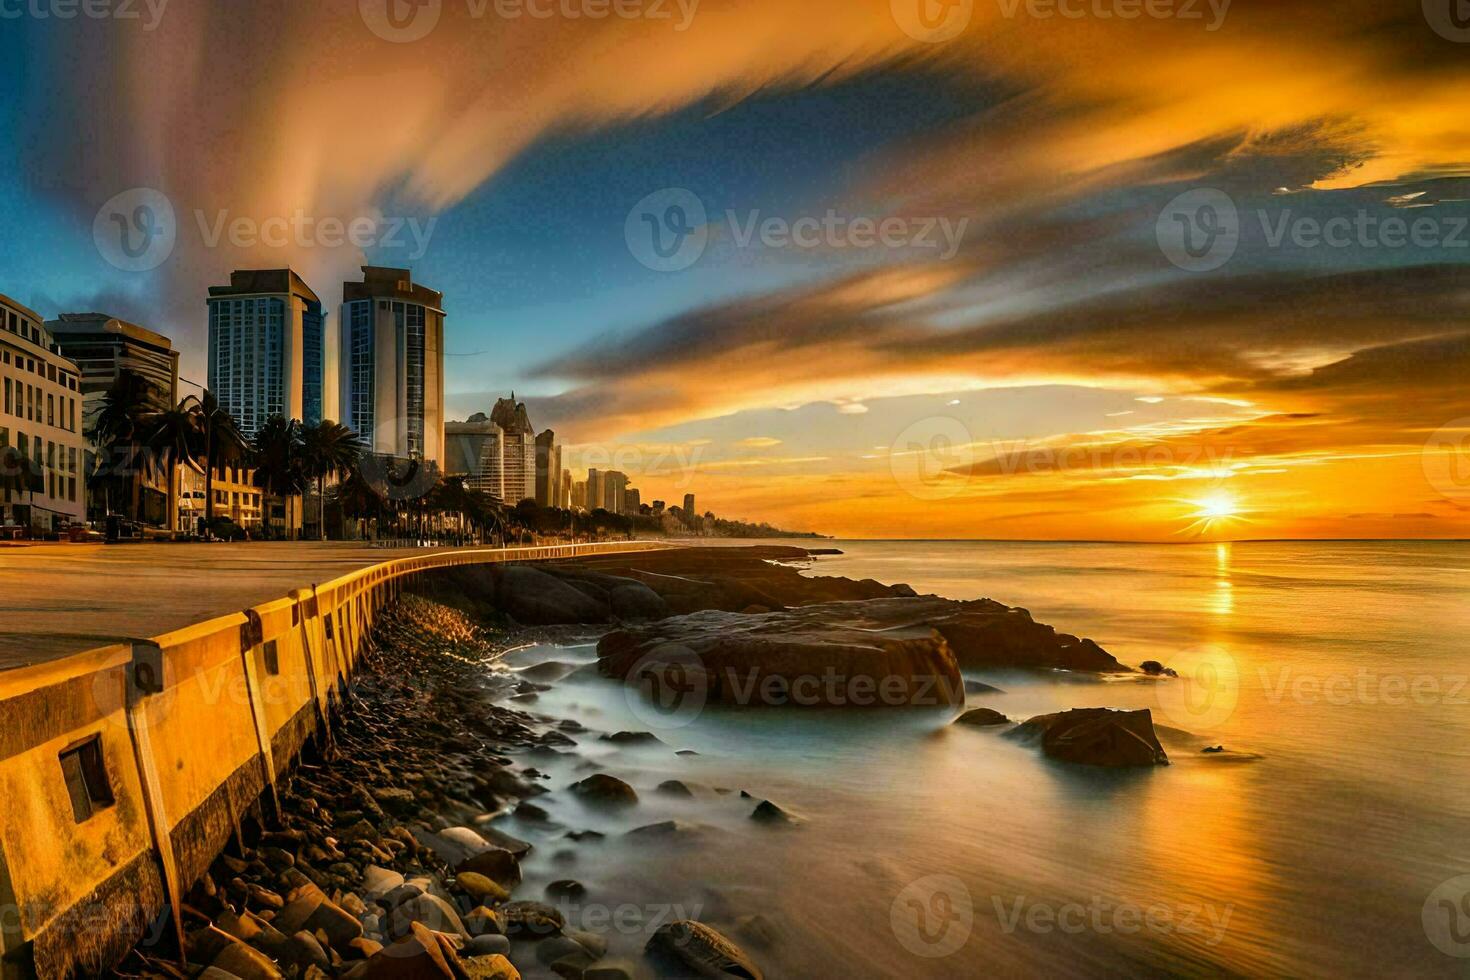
(632,501)
(269,350)
(495,454)
(391,338)
(103,347)
(548,470)
(596,497)
(564,495)
(41,422)
(689,512)
(614,486)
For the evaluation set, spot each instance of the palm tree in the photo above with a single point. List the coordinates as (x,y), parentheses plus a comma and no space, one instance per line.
(328,449)
(276,456)
(358,499)
(117,433)
(171,437)
(220,442)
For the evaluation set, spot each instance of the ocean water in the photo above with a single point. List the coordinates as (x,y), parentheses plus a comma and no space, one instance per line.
(1327,840)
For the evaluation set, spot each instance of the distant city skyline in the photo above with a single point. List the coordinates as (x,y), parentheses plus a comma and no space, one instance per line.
(923,286)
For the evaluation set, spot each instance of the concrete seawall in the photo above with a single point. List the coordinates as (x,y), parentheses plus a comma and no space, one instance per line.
(125,770)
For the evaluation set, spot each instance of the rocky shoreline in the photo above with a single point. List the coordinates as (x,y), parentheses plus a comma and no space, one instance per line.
(384,861)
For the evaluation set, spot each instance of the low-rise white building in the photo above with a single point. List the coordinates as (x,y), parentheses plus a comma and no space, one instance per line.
(41,418)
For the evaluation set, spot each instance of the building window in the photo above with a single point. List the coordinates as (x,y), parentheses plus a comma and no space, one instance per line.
(86,779)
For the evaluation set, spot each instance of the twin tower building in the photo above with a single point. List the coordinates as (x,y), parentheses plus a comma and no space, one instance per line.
(379,370)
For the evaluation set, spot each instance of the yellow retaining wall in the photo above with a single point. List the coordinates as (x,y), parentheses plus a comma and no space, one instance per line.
(192,727)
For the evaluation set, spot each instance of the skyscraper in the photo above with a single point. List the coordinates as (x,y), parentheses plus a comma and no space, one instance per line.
(689,513)
(104,346)
(269,350)
(548,470)
(596,500)
(392,364)
(614,484)
(495,454)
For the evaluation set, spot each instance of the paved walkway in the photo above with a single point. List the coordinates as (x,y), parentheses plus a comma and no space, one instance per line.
(57,600)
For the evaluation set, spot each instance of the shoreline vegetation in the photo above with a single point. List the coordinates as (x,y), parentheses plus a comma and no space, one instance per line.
(385,860)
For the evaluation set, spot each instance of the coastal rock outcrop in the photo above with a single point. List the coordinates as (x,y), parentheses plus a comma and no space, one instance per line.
(898,650)
(1095,737)
(690,945)
(808,657)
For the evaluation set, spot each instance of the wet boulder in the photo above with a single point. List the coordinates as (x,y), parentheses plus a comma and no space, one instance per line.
(814,656)
(1095,737)
(531,596)
(687,946)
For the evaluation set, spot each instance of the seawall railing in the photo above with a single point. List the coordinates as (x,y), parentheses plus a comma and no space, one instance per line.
(125,770)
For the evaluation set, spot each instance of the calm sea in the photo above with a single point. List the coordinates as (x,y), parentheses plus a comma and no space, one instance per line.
(936,851)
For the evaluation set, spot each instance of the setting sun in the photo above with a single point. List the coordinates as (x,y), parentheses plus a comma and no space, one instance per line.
(1217,506)
(1212,513)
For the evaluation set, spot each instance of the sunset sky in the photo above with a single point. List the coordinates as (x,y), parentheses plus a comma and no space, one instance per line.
(1037,350)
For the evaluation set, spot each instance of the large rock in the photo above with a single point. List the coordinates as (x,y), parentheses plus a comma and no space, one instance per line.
(690,945)
(1095,737)
(814,656)
(531,596)
(915,646)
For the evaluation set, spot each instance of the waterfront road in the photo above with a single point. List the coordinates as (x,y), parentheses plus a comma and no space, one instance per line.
(61,599)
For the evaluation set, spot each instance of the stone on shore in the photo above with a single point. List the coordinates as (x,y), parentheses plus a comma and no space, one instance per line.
(496,863)
(532,919)
(531,596)
(982,717)
(690,945)
(1095,737)
(600,788)
(480,887)
(814,656)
